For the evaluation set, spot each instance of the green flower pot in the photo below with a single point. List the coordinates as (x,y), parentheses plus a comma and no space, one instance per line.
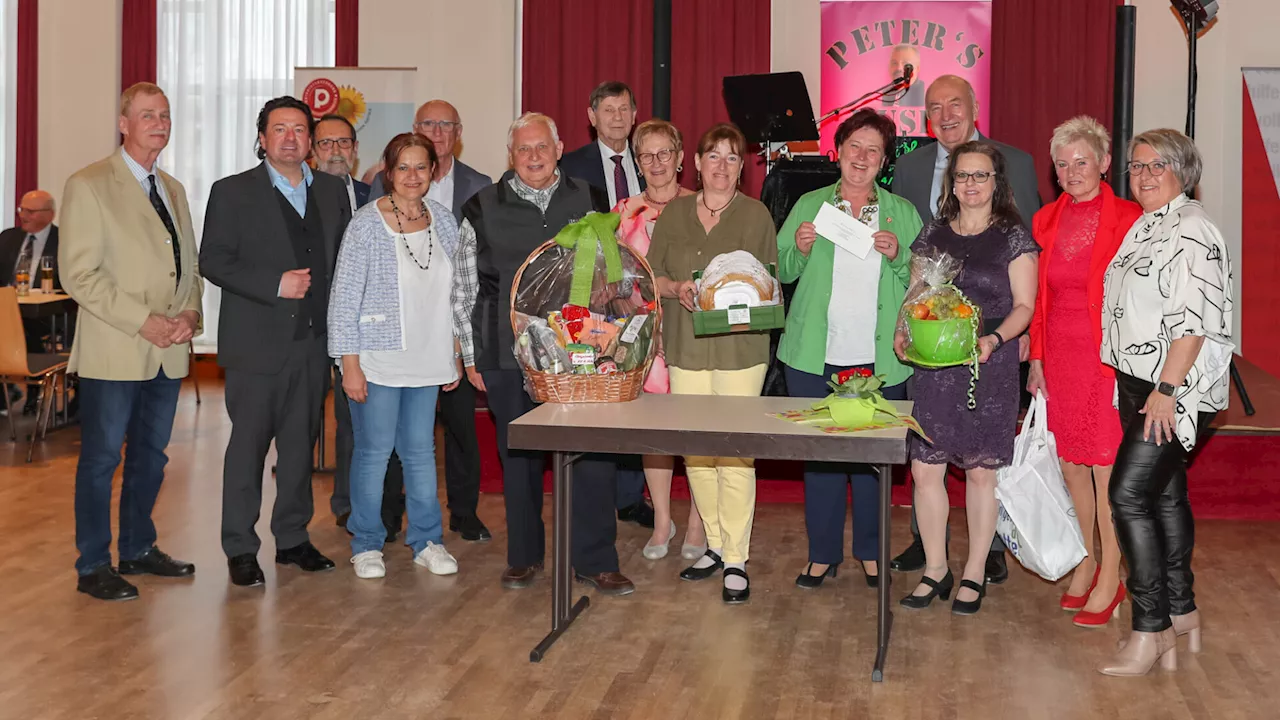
(943,341)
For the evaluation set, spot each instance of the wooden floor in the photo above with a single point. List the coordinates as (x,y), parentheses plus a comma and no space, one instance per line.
(416,646)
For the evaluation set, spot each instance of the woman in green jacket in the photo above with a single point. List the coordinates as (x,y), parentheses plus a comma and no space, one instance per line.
(843,316)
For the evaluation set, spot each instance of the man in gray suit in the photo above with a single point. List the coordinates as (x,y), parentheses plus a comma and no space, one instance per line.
(952,106)
(453,185)
(271,237)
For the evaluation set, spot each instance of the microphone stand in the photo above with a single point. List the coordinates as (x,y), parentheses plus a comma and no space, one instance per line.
(895,84)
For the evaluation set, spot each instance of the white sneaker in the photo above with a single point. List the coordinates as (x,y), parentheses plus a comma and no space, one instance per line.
(369,564)
(436,559)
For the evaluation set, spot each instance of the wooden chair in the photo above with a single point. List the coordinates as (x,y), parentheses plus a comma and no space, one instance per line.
(17,366)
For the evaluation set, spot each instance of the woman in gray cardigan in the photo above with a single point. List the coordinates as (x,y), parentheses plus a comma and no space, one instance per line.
(392,330)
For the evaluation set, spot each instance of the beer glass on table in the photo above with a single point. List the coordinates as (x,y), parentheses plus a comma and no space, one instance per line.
(46,274)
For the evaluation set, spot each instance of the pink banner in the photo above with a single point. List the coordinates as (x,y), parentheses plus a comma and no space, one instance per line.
(868,43)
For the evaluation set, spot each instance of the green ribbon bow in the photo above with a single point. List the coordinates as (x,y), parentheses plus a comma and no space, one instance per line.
(596,230)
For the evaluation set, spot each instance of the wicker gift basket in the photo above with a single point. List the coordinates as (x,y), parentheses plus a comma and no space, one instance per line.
(584,269)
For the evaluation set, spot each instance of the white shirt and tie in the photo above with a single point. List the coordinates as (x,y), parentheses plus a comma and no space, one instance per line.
(32,249)
(442,190)
(628,165)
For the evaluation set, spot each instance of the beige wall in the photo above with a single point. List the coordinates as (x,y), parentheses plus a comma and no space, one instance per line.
(465,52)
(79,86)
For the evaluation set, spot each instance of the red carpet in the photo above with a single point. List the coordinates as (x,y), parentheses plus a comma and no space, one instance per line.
(1235,477)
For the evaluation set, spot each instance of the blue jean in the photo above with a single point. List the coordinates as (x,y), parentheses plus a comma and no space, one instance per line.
(825,483)
(403,419)
(112,411)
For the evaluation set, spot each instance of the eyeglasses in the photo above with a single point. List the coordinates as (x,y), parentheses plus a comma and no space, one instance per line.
(661,156)
(33,211)
(1156,168)
(328,143)
(429,125)
(961,177)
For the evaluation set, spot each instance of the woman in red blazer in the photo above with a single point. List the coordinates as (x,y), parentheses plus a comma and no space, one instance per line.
(1079,235)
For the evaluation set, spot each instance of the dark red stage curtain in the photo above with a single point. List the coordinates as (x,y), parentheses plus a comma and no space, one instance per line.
(137,42)
(570,46)
(347,33)
(711,39)
(1050,61)
(26,171)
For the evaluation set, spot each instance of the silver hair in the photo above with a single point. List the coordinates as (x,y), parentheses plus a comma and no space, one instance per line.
(528,119)
(973,94)
(1176,149)
(1081,127)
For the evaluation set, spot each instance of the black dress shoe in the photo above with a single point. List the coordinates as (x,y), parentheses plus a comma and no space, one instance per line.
(156,562)
(735,597)
(305,556)
(697,573)
(911,559)
(105,583)
(937,588)
(969,607)
(809,581)
(873,581)
(640,514)
(997,568)
(470,528)
(245,570)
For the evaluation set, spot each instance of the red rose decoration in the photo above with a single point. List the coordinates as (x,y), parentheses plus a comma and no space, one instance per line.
(864,372)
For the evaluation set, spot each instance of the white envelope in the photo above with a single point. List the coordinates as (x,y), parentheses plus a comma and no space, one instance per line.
(844,231)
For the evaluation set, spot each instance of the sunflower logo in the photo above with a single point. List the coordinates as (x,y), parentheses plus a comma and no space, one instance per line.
(351,105)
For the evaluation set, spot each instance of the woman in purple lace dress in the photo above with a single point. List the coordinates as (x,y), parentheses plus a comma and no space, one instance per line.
(977,224)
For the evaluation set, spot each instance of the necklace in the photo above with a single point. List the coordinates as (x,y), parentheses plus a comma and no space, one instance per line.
(395,211)
(868,211)
(659,203)
(720,209)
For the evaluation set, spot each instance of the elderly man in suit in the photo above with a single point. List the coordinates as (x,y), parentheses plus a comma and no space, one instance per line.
(271,238)
(128,258)
(35,238)
(501,225)
(452,185)
(952,107)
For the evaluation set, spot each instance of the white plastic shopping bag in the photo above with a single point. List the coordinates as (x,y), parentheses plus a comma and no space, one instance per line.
(1036,518)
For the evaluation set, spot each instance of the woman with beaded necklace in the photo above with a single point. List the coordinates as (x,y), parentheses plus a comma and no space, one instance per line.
(392,329)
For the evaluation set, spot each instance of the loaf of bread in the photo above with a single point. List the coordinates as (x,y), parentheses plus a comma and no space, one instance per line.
(736,278)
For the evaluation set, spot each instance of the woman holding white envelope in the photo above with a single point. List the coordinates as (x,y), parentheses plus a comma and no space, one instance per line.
(848,246)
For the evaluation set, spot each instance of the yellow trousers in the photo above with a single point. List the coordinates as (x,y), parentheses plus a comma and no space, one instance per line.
(724,488)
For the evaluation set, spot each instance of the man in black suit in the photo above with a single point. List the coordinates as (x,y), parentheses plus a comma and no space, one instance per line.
(608,164)
(35,238)
(452,185)
(335,150)
(952,106)
(271,238)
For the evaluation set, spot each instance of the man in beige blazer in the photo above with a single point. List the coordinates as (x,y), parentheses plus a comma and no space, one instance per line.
(128,257)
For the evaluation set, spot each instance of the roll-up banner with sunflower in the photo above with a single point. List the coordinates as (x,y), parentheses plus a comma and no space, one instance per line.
(378,102)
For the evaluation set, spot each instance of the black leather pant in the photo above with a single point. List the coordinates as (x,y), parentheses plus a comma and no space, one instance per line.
(1152,514)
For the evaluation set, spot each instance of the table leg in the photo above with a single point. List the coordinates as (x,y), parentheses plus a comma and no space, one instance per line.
(562,615)
(884,615)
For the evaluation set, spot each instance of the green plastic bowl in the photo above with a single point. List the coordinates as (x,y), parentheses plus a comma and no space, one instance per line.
(943,341)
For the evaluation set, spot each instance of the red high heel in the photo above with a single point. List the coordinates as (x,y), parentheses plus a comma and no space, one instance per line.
(1071,603)
(1098,619)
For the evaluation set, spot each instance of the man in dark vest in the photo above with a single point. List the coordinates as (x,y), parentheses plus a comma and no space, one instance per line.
(501,225)
(271,239)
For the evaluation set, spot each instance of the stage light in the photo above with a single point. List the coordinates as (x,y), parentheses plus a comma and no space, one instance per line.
(1202,10)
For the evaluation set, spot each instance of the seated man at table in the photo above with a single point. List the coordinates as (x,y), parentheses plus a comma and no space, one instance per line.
(501,225)
(25,247)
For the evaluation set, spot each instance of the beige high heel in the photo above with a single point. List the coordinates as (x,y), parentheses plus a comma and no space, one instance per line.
(1188,625)
(1141,653)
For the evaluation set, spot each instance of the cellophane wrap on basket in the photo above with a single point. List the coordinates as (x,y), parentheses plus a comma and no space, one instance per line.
(941,324)
(584,305)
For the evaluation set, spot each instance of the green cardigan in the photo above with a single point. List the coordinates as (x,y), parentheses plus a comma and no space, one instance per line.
(804,339)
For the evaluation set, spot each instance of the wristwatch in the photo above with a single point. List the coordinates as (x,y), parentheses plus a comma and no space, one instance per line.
(1165,388)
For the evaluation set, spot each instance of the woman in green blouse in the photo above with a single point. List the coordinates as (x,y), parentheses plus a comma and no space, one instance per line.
(690,232)
(843,316)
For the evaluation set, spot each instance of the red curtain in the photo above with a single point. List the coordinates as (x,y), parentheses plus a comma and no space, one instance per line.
(28,84)
(570,46)
(347,33)
(137,42)
(1050,61)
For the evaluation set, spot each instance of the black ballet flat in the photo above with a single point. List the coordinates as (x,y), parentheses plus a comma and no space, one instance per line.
(696,573)
(736,597)
(963,607)
(940,588)
(809,582)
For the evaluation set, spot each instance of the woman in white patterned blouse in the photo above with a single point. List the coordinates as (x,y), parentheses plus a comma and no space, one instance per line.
(1167,332)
